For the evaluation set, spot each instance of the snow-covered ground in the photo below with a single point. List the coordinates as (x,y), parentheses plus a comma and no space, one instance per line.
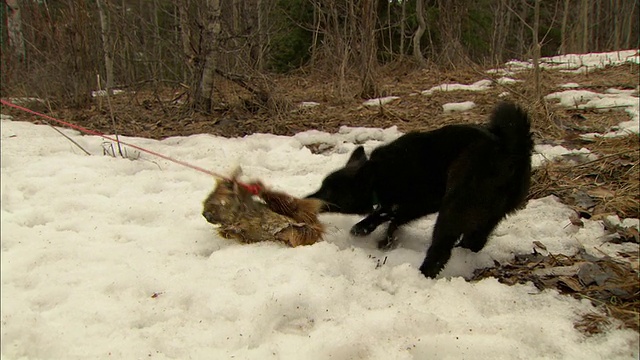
(106,257)
(574,63)
(620,100)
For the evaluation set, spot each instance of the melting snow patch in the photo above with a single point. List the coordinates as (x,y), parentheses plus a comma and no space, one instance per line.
(545,153)
(570,85)
(612,99)
(380,101)
(104,92)
(576,63)
(481,85)
(25,100)
(308,104)
(347,138)
(461,106)
(507,80)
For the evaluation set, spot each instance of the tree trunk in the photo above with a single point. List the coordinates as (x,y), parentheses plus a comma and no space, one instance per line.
(203,100)
(585,25)
(316,31)
(632,12)
(616,24)
(106,45)
(452,52)
(403,25)
(563,28)
(417,36)
(536,49)
(185,40)
(14,30)
(368,50)
(261,37)
(502,24)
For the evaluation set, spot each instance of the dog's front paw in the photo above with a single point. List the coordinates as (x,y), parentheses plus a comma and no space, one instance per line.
(431,269)
(360,229)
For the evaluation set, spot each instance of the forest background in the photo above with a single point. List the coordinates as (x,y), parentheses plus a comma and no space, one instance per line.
(230,57)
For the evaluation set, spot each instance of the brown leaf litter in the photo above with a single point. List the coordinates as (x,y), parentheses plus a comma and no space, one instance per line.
(598,188)
(611,285)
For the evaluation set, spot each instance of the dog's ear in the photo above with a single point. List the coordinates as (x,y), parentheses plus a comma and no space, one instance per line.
(358,157)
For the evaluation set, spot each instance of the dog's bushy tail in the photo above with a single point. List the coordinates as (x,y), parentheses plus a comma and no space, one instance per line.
(511,124)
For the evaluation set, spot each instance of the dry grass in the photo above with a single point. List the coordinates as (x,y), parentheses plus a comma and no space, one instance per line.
(612,181)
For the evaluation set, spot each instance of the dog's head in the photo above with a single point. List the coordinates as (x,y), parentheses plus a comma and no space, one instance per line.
(348,190)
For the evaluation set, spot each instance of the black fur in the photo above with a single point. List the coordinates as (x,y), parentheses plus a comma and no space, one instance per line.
(472,175)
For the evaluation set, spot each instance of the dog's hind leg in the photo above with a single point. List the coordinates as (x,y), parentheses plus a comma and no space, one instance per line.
(445,234)
(475,239)
(367,225)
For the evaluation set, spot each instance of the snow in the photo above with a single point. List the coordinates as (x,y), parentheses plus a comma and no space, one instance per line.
(380,101)
(105,257)
(548,153)
(308,104)
(507,80)
(458,107)
(480,85)
(611,99)
(570,85)
(101,93)
(577,63)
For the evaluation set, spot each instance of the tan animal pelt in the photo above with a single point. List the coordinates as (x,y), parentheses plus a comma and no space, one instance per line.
(267,216)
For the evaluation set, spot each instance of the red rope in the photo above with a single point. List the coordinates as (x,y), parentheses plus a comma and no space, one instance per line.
(254,189)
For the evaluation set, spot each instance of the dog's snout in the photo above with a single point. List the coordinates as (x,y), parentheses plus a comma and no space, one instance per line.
(209,216)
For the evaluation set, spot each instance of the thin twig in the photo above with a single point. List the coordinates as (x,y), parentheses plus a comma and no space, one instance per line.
(63,134)
(113,121)
(68,138)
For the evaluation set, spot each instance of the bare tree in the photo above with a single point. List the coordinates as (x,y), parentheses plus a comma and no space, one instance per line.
(585,25)
(403,26)
(204,89)
(536,49)
(417,35)
(14,29)
(630,19)
(501,24)
(368,50)
(451,12)
(563,29)
(106,44)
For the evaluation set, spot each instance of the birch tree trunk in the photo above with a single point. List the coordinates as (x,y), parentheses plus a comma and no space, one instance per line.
(106,45)
(14,29)
(203,100)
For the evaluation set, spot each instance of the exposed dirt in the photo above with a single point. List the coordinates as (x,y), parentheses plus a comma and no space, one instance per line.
(140,112)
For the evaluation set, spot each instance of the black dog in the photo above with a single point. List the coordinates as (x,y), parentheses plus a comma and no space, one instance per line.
(472,175)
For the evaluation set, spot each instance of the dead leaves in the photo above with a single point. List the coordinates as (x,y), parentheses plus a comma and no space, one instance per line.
(611,285)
